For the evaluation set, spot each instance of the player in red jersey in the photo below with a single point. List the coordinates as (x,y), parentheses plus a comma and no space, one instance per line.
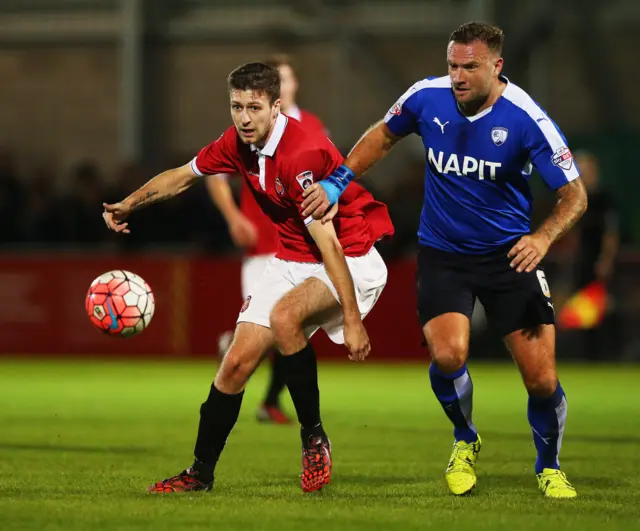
(288,92)
(323,275)
(252,230)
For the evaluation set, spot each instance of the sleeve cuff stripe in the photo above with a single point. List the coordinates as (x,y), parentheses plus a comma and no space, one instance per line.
(195,169)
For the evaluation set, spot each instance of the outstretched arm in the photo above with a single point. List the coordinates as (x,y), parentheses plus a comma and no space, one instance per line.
(164,186)
(372,147)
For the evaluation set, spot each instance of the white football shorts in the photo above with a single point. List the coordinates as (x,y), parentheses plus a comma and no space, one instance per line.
(252,269)
(369,274)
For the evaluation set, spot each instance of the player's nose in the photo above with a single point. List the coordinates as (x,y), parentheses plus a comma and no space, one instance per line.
(459,77)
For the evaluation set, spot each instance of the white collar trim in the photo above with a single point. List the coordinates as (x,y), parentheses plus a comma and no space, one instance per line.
(294,112)
(488,110)
(276,135)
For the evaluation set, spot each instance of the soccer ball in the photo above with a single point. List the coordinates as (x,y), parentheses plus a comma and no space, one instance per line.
(120,303)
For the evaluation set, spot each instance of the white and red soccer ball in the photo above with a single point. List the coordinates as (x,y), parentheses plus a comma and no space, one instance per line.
(120,303)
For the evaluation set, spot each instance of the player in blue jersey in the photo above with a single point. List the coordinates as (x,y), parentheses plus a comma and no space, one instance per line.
(482,135)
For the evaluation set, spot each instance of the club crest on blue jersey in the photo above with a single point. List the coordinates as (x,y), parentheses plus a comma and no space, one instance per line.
(499,135)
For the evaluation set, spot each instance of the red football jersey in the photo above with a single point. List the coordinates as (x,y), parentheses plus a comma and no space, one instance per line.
(267,242)
(292,159)
(267,233)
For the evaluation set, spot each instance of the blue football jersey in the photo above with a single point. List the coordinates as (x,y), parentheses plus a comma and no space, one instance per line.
(477,195)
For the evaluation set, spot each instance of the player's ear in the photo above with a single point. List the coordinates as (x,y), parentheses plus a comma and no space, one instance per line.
(497,66)
(275,108)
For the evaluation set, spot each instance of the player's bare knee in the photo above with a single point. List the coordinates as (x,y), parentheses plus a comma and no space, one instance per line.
(278,319)
(235,371)
(283,323)
(449,356)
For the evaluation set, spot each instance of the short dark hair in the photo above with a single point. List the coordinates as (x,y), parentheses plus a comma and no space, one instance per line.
(258,77)
(280,59)
(491,35)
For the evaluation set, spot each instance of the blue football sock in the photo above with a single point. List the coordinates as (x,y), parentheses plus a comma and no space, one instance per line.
(455,393)
(547,416)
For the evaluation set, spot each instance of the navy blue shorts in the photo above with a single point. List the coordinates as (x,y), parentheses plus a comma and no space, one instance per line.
(450,282)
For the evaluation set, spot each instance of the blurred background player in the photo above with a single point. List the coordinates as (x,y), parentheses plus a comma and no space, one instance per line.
(598,232)
(252,231)
(598,243)
(289,92)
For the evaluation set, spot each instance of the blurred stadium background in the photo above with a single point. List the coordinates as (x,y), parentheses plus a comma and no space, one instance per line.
(96,96)
(99,95)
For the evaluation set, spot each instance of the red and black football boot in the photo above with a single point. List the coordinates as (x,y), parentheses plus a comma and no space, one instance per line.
(187,481)
(316,463)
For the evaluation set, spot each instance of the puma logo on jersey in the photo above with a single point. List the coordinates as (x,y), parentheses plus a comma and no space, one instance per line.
(469,166)
(437,120)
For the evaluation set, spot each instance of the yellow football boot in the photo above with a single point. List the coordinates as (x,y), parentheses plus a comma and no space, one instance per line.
(461,471)
(554,484)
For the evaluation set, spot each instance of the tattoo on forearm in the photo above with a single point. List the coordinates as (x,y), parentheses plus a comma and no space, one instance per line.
(146,199)
(571,205)
(151,194)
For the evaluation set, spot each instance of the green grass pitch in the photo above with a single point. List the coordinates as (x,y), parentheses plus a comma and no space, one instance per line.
(80,442)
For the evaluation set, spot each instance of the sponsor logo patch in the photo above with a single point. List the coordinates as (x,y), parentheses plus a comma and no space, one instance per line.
(396,110)
(563,158)
(305,179)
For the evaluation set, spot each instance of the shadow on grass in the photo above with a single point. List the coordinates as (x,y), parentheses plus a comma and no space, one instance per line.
(380,480)
(524,435)
(572,438)
(74,448)
(528,481)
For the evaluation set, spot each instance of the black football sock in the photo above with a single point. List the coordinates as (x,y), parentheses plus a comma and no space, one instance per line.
(278,380)
(218,415)
(301,371)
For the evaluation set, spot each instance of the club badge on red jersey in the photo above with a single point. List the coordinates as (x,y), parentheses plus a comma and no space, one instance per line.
(279,187)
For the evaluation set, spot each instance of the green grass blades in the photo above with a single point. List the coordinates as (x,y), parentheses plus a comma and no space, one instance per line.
(80,442)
